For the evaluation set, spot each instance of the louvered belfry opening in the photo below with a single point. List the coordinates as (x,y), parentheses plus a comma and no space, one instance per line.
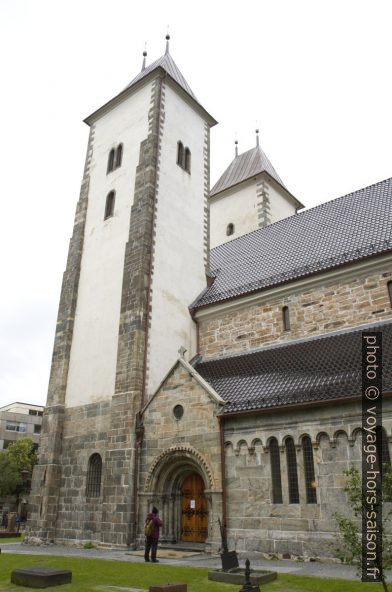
(275,472)
(292,474)
(94,473)
(310,481)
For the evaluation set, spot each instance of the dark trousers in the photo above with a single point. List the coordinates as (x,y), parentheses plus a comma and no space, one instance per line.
(151,544)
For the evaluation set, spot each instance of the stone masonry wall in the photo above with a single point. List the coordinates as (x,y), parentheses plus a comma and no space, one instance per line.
(257,525)
(172,448)
(84,433)
(313,312)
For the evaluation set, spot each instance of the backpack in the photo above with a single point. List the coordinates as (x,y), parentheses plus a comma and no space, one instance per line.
(148,527)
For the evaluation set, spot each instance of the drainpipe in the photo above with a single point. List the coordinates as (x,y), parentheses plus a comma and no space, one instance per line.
(223,472)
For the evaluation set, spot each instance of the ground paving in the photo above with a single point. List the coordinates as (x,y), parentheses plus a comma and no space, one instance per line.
(313,568)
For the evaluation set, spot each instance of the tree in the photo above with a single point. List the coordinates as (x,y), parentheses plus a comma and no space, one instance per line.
(14,461)
(349,544)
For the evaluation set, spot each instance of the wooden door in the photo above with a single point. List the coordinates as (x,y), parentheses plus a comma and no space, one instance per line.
(194,510)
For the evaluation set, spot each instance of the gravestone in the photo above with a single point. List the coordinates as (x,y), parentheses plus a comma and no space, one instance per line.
(40,577)
(11,522)
(169,588)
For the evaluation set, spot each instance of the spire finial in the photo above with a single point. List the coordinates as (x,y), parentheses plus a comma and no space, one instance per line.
(257,136)
(144,56)
(167,40)
(236,145)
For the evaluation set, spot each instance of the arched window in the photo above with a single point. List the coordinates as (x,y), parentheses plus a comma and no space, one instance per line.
(310,481)
(119,153)
(292,476)
(94,473)
(187,161)
(111,161)
(389,285)
(109,206)
(275,472)
(180,154)
(286,318)
(230,229)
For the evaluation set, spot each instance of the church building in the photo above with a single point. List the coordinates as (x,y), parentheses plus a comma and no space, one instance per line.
(207,356)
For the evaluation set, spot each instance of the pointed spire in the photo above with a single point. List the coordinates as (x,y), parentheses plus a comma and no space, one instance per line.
(144,57)
(167,40)
(236,146)
(257,137)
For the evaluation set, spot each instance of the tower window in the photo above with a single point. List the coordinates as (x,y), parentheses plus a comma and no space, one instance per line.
(111,161)
(119,153)
(183,157)
(286,318)
(187,162)
(310,481)
(292,475)
(94,473)
(109,206)
(230,229)
(275,472)
(180,154)
(389,284)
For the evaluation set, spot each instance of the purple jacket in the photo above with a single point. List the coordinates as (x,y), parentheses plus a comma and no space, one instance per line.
(157,524)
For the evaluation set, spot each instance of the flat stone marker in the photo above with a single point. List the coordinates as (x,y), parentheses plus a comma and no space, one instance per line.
(41,577)
(169,588)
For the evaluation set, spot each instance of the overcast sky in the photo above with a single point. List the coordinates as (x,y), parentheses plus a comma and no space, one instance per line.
(315,75)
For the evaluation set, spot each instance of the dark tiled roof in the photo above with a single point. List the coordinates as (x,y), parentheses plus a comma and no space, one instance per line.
(245,166)
(168,64)
(316,369)
(341,231)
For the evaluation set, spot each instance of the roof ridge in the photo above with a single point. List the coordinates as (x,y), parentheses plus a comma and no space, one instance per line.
(301,213)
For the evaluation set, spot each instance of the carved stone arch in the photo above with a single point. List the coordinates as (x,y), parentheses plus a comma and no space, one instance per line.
(268,443)
(302,436)
(336,436)
(229,445)
(355,432)
(252,447)
(320,435)
(239,444)
(164,463)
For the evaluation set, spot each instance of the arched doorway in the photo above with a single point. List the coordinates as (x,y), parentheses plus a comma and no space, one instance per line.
(180,485)
(194,510)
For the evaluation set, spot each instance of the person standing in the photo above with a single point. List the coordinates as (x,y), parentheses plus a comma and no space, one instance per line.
(151,529)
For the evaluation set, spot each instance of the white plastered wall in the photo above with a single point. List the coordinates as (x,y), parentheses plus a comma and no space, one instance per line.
(92,369)
(239,205)
(179,274)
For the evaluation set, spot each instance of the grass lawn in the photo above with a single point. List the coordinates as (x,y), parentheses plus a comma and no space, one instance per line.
(12,539)
(94,575)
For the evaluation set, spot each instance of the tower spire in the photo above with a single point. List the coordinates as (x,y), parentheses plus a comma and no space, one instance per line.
(257,136)
(236,146)
(167,41)
(144,57)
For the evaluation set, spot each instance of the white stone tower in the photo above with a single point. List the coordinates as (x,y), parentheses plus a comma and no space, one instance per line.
(138,257)
(248,195)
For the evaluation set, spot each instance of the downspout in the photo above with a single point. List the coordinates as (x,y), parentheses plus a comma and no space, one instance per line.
(139,427)
(223,472)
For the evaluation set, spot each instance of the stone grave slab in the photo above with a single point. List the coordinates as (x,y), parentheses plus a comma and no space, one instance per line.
(40,577)
(174,587)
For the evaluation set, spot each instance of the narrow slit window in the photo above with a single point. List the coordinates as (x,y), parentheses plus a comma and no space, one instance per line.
(180,154)
(310,480)
(111,161)
(94,473)
(292,475)
(187,161)
(389,284)
(230,229)
(109,206)
(275,472)
(286,318)
(119,155)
